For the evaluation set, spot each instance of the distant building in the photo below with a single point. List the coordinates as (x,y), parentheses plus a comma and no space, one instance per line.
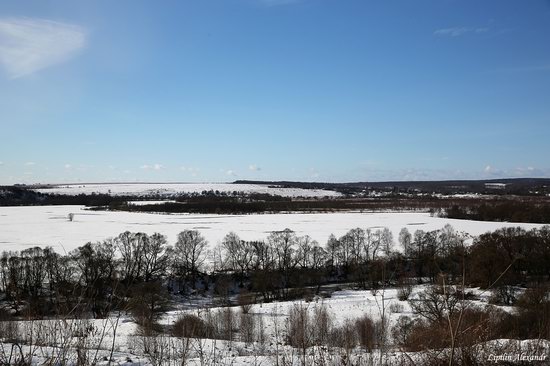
(495,185)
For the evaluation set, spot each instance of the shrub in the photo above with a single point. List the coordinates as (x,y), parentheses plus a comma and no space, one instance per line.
(191,326)
(401,330)
(344,336)
(300,333)
(396,307)
(533,318)
(503,295)
(149,300)
(245,301)
(247,327)
(366,331)
(322,321)
(532,298)
(436,303)
(223,322)
(475,326)
(404,290)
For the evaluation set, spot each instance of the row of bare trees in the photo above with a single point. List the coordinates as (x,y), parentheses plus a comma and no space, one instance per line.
(41,281)
(135,272)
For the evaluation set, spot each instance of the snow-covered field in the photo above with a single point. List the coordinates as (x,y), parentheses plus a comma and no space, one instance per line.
(128,345)
(170,189)
(23,227)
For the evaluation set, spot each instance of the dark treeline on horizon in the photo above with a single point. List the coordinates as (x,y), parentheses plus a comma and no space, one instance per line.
(504,208)
(515,186)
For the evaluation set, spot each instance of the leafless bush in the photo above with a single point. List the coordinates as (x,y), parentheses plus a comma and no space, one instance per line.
(436,303)
(367,332)
(322,320)
(222,289)
(247,327)
(9,331)
(404,290)
(246,301)
(260,331)
(401,331)
(229,322)
(424,335)
(533,297)
(191,326)
(396,308)
(533,318)
(149,300)
(299,327)
(158,349)
(345,337)
(473,326)
(223,323)
(504,295)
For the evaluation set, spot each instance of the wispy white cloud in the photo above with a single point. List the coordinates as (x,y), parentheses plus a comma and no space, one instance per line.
(459,31)
(517,172)
(489,171)
(191,170)
(28,44)
(30,163)
(254,168)
(152,167)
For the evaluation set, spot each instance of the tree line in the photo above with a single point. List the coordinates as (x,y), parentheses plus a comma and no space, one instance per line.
(99,276)
(143,275)
(505,209)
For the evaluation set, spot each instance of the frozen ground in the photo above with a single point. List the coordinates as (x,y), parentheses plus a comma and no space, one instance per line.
(128,345)
(170,189)
(342,305)
(23,227)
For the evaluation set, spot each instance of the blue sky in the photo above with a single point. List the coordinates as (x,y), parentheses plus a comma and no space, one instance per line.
(317,90)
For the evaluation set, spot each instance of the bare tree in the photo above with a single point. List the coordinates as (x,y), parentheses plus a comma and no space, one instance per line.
(283,244)
(322,324)
(189,253)
(405,239)
(374,239)
(131,247)
(300,329)
(386,241)
(332,248)
(357,242)
(247,327)
(149,301)
(345,337)
(239,253)
(155,257)
(436,303)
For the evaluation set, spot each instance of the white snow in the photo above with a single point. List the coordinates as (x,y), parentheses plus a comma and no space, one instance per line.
(143,203)
(23,227)
(129,348)
(170,189)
